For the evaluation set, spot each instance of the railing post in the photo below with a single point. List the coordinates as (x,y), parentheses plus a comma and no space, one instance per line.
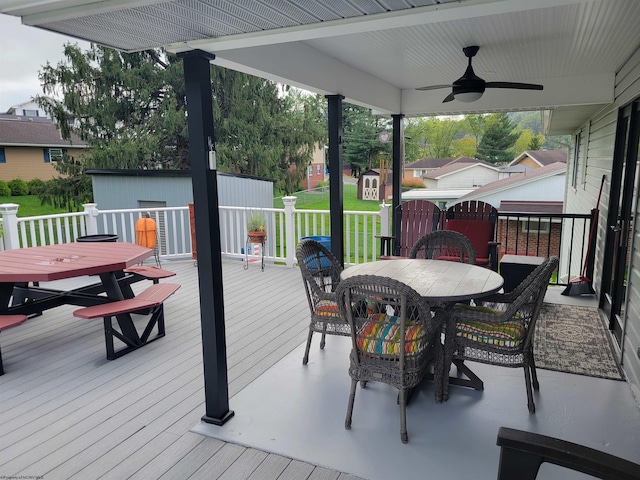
(91,212)
(385,218)
(289,228)
(9,212)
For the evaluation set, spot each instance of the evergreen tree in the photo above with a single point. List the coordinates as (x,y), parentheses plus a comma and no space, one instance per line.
(362,147)
(498,138)
(130,108)
(536,142)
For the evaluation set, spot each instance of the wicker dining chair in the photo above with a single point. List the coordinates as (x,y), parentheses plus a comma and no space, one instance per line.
(499,330)
(395,336)
(320,271)
(444,245)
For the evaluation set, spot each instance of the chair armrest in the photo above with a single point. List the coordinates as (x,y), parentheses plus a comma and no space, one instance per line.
(493,255)
(385,245)
(522,453)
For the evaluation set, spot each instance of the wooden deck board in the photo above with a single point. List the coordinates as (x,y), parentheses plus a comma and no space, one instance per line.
(67,412)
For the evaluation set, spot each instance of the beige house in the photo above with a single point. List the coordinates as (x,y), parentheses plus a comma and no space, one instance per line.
(30,147)
(539,158)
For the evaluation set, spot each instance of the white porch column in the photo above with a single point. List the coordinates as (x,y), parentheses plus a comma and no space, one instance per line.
(289,207)
(9,212)
(91,212)
(385,218)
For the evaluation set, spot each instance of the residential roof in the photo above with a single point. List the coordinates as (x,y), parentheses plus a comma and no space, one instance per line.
(429,194)
(511,206)
(514,169)
(18,130)
(428,163)
(543,157)
(519,178)
(457,165)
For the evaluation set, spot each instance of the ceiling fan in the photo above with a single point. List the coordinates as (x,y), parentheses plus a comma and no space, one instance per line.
(469,87)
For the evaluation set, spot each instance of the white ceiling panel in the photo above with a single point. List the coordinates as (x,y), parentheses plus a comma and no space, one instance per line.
(376,52)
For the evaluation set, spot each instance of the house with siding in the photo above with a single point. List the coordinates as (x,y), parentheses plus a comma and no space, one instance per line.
(423,166)
(463,172)
(31,145)
(539,158)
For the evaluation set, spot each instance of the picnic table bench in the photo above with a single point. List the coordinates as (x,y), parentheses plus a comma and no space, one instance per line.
(151,300)
(7,321)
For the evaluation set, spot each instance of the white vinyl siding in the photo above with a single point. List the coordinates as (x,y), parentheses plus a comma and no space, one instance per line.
(598,152)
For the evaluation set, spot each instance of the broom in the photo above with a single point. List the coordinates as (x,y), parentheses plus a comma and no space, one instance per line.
(582,284)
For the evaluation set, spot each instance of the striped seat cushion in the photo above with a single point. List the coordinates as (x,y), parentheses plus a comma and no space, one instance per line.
(504,334)
(327,308)
(380,335)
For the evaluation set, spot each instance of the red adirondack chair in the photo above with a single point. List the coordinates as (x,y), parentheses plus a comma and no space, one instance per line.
(417,218)
(477,221)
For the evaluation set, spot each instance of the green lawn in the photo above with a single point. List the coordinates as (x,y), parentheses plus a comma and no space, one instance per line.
(320,201)
(30,206)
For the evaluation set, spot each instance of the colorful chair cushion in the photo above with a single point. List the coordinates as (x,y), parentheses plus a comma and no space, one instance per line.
(327,308)
(503,334)
(380,335)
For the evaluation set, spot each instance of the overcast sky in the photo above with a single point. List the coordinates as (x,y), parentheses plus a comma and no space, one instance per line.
(23,52)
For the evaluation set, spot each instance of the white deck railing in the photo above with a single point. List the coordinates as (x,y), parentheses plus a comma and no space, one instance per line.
(285,227)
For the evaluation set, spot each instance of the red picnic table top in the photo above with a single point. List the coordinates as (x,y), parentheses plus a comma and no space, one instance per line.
(55,262)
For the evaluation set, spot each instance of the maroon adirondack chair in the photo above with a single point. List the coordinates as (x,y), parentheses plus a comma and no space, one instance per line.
(477,221)
(417,218)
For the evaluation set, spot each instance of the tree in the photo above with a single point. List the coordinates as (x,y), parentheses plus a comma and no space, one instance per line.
(130,108)
(431,137)
(475,124)
(464,147)
(497,140)
(362,147)
(536,142)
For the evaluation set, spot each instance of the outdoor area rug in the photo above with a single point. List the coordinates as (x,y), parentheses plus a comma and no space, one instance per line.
(573,339)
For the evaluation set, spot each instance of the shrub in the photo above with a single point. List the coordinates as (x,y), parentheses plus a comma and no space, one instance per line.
(36,186)
(18,187)
(5,191)
(413,183)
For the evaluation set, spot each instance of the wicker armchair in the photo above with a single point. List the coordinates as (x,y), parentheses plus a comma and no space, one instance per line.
(499,330)
(320,271)
(444,245)
(394,335)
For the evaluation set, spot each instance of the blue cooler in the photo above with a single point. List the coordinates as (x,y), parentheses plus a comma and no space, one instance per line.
(325,241)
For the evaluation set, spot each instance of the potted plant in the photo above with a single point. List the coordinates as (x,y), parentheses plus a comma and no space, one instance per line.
(256,228)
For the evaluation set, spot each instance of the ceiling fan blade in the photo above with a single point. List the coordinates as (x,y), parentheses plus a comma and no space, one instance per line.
(434,87)
(516,85)
(448,98)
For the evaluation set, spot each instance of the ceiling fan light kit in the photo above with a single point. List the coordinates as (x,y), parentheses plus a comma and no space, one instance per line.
(470,87)
(467,97)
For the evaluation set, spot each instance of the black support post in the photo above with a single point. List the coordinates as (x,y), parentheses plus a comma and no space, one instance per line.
(398,158)
(197,77)
(335,175)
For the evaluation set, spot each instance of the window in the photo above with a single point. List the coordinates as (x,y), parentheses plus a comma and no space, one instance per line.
(318,169)
(536,226)
(3,158)
(310,172)
(53,154)
(30,113)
